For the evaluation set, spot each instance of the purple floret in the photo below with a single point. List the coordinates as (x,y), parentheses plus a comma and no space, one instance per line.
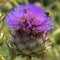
(30,17)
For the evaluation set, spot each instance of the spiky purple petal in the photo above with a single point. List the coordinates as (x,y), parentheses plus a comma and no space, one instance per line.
(30,17)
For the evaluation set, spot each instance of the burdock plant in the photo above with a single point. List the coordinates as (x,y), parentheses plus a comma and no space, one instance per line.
(32,25)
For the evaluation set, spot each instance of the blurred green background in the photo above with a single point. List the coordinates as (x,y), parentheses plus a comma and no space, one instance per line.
(51,6)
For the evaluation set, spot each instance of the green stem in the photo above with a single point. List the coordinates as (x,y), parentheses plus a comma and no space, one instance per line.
(29,58)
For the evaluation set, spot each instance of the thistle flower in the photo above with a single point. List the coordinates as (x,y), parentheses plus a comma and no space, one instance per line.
(32,25)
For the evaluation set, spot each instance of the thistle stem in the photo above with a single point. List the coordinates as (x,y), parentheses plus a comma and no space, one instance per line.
(29,58)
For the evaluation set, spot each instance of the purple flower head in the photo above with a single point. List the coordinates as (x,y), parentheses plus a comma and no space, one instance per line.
(29,18)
